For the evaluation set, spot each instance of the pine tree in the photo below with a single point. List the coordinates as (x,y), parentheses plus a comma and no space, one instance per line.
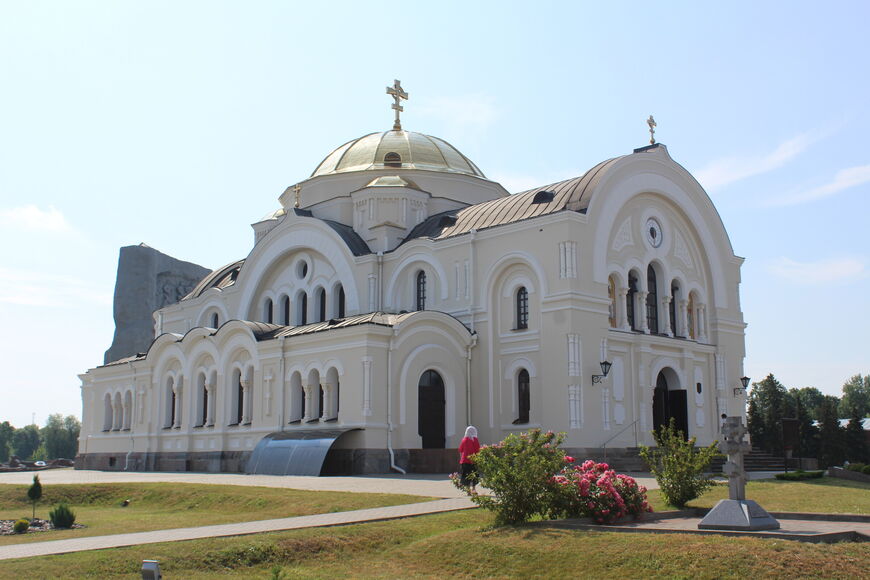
(768,404)
(856,441)
(831,448)
(34,493)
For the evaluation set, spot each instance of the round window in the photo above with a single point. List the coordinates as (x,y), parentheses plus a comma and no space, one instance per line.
(653,232)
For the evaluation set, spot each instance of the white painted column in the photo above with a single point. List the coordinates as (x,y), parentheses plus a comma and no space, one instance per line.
(246,402)
(623,309)
(309,402)
(682,318)
(666,308)
(367,386)
(640,309)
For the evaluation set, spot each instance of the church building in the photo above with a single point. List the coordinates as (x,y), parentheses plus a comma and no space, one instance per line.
(398,295)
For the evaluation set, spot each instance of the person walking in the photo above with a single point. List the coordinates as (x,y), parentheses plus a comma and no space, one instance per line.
(468,447)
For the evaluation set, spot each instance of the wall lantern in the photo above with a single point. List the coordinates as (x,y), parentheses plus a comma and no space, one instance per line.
(742,390)
(605,369)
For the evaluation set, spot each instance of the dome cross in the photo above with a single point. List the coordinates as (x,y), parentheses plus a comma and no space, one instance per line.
(652,130)
(398,94)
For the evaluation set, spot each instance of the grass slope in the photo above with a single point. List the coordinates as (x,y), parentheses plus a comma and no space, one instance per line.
(156,506)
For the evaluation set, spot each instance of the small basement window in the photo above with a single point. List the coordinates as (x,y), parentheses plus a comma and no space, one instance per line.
(393,159)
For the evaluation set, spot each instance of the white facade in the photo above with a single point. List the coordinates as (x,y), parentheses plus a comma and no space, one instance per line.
(389,269)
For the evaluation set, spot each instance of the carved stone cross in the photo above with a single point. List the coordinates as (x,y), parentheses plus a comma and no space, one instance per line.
(652,130)
(398,94)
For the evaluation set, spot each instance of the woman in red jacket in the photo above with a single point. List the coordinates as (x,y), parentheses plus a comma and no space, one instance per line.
(468,447)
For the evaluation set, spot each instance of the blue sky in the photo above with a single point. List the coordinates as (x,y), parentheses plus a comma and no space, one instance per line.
(178,124)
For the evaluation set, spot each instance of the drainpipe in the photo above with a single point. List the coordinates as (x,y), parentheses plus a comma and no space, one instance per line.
(390,408)
(471,289)
(380,304)
(468,348)
(283,386)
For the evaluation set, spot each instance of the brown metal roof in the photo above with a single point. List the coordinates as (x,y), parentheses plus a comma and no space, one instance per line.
(570,195)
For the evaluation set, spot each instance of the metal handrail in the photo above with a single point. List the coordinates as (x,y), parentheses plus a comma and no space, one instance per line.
(620,432)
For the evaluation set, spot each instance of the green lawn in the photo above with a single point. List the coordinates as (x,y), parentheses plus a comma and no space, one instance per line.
(464,545)
(155,506)
(825,495)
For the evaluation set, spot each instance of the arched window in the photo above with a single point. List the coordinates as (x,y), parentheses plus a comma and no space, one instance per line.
(421,290)
(302,309)
(285,310)
(652,301)
(522,308)
(611,297)
(690,316)
(236,398)
(629,300)
(170,404)
(214,320)
(672,307)
(128,410)
(339,310)
(321,305)
(524,398)
(267,311)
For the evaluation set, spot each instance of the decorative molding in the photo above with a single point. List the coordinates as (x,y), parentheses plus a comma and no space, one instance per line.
(367,385)
(574,355)
(681,250)
(623,236)
(372,292)
(605,409)
(575,406)
(568,259)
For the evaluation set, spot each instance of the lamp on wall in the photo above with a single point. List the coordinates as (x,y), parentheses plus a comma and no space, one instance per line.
(605,369)
(742,390)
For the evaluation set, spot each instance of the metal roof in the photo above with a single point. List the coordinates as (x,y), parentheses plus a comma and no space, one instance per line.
(220,278)
(415,150)
(570,195)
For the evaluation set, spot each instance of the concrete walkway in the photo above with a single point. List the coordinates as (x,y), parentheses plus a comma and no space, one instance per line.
(320,520)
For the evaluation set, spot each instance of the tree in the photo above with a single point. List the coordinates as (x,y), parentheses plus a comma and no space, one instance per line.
(856,397)
(831,448)
(7,433)
(34,493)
(805,416)
(855,440)
(768,404)
(60,436)
(26,441)
(809,398)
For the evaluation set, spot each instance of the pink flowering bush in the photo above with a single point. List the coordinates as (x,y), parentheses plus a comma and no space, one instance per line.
(594,490)
(529,475)
(516,472)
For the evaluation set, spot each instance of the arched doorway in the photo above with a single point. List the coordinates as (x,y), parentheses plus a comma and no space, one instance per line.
(430,410)
(670,402)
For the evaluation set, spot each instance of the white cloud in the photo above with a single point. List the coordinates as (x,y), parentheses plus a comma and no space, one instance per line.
(819,272)
(27,288)
(32,218)
(844,179)
(721,172)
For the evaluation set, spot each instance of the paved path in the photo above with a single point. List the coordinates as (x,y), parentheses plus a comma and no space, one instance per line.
(320,520)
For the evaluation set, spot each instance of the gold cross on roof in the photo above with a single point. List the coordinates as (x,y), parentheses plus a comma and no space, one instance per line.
(652,130)
(297,189)
(398,94)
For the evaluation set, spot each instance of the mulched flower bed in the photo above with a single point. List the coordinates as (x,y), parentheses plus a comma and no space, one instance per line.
(37,525)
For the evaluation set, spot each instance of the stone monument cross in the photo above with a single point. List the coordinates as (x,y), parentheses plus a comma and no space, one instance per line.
(398,94)
(652,130)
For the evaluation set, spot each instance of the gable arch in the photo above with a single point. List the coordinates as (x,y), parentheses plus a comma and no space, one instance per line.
(495,275)
(407,268)
(305,234)
(633,176)
(518,364)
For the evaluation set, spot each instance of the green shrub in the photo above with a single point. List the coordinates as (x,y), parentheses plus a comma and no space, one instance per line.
(866,470)
(678,465)
(518,471)
(21,526)
(859,467)
(800,475)
(62,517)
(34,493)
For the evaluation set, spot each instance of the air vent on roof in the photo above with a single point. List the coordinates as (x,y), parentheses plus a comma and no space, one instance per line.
(393,159)
(446,221)
(544,197)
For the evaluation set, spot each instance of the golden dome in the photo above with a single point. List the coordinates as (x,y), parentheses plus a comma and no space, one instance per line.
(397,149)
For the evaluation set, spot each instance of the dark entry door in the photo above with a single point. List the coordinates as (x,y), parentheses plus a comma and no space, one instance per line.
(669,404)
(430,410)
